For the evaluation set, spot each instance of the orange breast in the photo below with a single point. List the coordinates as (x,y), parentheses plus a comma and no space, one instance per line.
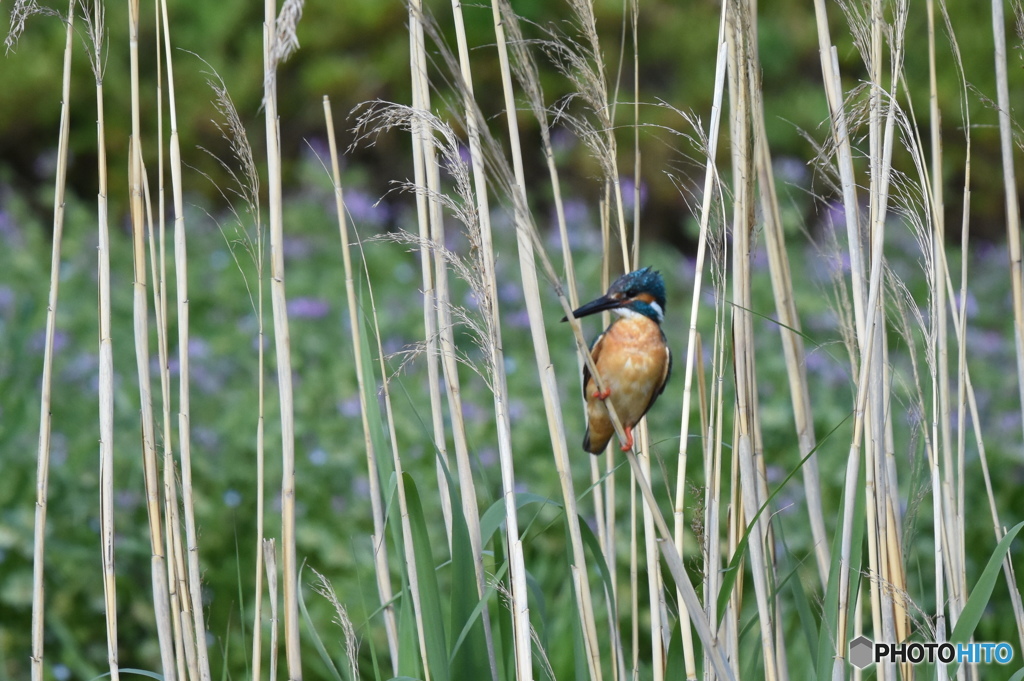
(632,362)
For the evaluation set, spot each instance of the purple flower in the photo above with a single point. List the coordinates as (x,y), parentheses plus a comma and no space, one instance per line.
(309,308)
(6,299)
(364,209)
(60,340)
(232,498)
(629,193)
(350,408)
(318,457)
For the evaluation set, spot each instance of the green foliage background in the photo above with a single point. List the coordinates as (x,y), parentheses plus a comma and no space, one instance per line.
(354,52)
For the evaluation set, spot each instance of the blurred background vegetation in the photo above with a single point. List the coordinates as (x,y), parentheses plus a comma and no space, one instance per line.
(358,51)
(355,52)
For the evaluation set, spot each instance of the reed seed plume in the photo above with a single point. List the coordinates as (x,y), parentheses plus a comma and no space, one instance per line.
(22,11)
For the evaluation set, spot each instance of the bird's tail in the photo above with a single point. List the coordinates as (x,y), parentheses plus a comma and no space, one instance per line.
(595,443)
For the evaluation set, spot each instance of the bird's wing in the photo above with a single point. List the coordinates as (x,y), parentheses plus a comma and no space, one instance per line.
(664,381)
(595,352)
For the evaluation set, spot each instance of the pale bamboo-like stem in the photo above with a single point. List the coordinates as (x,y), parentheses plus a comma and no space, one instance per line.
(517,567)
(1013,239)
(736,520)
(158,254)
(840,134)
(853,468)
(710,180)
(526,231)
(470,510)
(530,82)
(634,588)
(1010,189)
(789,327)
(43,451)
(403,507)
(270,560)
(106,360)
(939,277)
(282,344)
(191,555)
(423,215)
(430,316)
(739,54)
(380,553)
(653,582)
(446,336)
(136,179)
(634,6)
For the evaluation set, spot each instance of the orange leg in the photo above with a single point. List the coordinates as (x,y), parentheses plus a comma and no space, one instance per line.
(629,439)
(603,395)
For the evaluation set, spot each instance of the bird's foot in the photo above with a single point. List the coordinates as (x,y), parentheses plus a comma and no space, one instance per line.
(603,394)
(629,439)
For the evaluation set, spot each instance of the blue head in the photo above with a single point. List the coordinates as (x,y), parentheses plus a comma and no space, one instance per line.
(640,292)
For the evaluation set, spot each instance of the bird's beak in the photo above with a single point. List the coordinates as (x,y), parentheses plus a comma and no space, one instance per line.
(600,305)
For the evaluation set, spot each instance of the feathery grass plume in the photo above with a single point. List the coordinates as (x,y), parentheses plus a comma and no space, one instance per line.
(418,126)
(341,618)
(581,61)
(23,10)
(245,187)
(524,66)
(45,418)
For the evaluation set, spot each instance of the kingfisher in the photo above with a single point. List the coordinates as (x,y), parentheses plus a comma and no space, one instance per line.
(632,356)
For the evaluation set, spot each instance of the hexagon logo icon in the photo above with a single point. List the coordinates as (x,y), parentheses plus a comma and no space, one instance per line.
(862,652)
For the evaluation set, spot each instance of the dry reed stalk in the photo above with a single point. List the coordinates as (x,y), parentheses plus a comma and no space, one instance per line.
(655,587)
(185,661)
(740,55)
(517,567)
(137,192)
(191,597)
(247,188)
(424,220)
(527,75)
(1010,188)
(443,308)
(278,41)
(788,323)
(270,560)
(496,351)
(710,181)
(403,507)
(45,417)
(96,29)
(660,629)
(941,275)
(380,553)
